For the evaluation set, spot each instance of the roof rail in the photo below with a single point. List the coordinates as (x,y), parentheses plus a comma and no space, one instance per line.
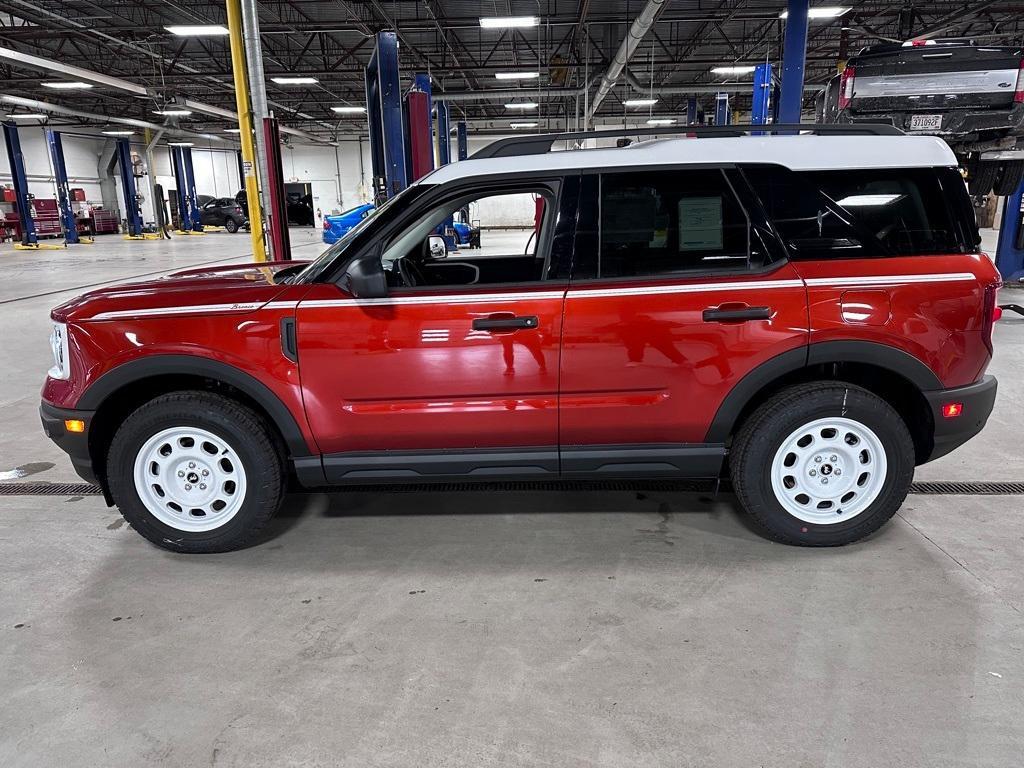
(541,143)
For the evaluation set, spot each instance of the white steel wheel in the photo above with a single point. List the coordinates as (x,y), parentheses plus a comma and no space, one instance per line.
(190,479)
(829,470)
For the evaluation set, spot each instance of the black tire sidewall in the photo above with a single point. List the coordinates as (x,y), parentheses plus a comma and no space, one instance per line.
(860,406)
(231,226)
(262,494)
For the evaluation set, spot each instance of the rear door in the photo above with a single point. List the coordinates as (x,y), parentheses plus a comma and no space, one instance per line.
(678,291)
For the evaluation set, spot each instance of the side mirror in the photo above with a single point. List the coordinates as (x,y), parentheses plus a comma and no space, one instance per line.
(436,249)
(365,279)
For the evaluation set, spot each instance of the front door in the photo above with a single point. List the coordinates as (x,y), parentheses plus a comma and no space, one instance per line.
(455,372)
(674,298)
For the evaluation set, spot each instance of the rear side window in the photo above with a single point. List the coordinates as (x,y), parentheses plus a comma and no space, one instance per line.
(860,213)
(664,222)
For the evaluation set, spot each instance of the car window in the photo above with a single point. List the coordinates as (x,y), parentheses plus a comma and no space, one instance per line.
(489,239)
(857,213)
(666,222)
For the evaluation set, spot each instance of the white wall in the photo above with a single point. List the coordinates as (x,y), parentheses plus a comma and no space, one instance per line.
(337,178)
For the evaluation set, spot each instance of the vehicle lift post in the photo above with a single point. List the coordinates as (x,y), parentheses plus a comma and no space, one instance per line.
(273,185)
(794,55)
(133,216)
(444,140)
(691,110)
(60,176)
(462,139)
(760,110)
(722,113)
(384,114)
(29,240)
(193,200)
(418,136)
(1010,248)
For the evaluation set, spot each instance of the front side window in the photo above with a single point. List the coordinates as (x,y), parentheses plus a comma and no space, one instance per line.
(488,239)
(857,213)
(666,222)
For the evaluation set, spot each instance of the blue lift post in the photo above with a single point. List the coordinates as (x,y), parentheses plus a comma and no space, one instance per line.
(20,182)
(193,201)
(794,54)
(60,173)
(691,110)
(1010,248)
(178,165)
(444,142)
(462,139)
(722,116)
(384,113)
(131,198)
(760,110)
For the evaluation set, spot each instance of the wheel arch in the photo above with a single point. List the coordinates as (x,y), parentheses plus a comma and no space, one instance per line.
(894,375)
(121,390)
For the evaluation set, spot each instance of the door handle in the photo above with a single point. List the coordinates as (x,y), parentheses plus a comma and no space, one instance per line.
(736,314)
(505,323)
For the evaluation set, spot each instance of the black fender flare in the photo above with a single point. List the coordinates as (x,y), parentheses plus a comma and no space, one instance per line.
(845,351)
(162,365)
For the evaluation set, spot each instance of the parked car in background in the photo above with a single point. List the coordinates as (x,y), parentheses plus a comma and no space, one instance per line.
(223,212)
(337,225)
(970,95)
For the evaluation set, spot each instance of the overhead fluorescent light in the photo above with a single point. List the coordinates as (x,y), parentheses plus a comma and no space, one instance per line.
(172,112)
(349,110)
(522,125)
(505,22)
(232,130)
(197,30)
(821,12)
(735,69)
(180,144)
(295,80)
(522,105)
(640,102)
(864,201)
(67,86)
(516,75)
(661,121)
(27,116)
(118,133)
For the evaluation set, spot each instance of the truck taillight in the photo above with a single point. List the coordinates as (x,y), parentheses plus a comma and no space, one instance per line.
(1018,91)
(846,87)
(990,314)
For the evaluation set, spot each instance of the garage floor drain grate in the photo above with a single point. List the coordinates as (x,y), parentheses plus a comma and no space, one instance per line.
(933,489)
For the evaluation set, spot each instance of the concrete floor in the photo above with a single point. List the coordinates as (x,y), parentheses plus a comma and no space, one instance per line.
(408,629)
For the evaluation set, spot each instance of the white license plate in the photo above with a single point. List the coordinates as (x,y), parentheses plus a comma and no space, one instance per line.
(925,122)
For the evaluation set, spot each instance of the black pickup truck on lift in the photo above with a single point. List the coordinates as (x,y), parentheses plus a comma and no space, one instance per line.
(970,95)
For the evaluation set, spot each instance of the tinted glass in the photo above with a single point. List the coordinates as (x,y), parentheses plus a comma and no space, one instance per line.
(858,213)
(663,222)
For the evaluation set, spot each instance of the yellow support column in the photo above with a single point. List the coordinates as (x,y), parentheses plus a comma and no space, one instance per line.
(252,192)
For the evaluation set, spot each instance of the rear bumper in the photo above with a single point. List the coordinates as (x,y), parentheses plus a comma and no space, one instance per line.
(955,123)
(977,400)
(74,444)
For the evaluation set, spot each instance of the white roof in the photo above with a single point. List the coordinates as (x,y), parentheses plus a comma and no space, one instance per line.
(803,152)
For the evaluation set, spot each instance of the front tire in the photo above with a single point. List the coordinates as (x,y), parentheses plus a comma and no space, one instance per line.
(822,464)
(195,472)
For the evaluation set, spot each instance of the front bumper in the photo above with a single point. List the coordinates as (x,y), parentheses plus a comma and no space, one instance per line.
(74,444)
(977,400)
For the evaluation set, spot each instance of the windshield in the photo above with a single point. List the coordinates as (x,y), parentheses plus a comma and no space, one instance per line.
(315,268)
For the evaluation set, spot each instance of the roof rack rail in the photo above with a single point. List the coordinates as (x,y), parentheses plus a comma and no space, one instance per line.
(541,143)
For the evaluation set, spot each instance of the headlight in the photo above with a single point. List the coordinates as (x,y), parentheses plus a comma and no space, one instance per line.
(61,358)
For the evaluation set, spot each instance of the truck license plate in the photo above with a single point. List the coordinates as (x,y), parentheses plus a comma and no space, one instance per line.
(925,122)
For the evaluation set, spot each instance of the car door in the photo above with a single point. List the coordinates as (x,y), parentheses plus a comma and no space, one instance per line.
(447,377)
(678,291)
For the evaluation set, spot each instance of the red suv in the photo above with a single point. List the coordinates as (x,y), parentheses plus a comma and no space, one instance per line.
(807,313)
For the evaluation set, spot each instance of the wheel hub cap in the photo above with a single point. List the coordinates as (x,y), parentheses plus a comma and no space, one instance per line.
(190,478)
(829,471)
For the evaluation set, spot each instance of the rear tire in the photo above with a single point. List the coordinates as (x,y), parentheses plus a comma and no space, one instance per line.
(822,464)
(231,226)
(1009,178)
(982,177)
(195,472)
